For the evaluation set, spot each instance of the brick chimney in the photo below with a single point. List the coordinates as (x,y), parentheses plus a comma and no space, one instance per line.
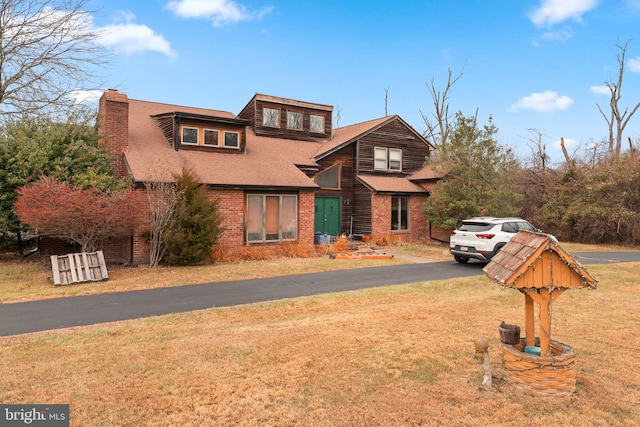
(114,125)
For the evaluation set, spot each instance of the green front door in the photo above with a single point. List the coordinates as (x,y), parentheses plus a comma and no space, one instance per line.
(327,216)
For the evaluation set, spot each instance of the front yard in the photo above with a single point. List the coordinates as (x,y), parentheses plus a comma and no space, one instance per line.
(398,355)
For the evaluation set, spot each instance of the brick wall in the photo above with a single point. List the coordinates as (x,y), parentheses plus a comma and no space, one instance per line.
(231,208)
(381,218)
(306,209)
(114,125)
(139,244)
(380,214)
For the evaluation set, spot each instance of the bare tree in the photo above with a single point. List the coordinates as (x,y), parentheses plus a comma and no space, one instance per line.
(163,199)
(438,129)
(47,50)
(616,120)
(539,156)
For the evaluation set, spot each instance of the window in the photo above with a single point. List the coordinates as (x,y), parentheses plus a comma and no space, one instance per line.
(231,139)
(380,158)
(189,135)
(270,117)
(271,217)
(399,213)
(329,178)
(387,159)
(211,137)
(316,123)
(294,120)
(395,159)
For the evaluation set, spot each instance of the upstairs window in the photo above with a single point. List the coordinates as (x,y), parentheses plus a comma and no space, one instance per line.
(387,159)
(270,117)
(203,137)
(190,135)
(231,139)
(395,159)
(316,123)
(294,120)
(211,137)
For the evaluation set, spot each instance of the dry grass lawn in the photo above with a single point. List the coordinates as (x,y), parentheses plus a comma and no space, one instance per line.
(394,356)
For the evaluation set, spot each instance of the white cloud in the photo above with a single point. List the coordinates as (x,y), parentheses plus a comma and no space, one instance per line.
(134,38)
(543,102)
(552,12)
(634,65)
(219,11)
(600,90)
(82,96)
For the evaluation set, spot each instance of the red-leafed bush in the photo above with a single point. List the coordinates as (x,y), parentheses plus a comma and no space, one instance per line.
(83,215)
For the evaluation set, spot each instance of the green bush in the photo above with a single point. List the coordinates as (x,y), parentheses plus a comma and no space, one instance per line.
(196,226)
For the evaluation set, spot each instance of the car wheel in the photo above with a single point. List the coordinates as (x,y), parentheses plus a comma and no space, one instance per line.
(461,260)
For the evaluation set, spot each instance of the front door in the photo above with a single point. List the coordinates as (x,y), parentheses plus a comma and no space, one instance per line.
(327,216)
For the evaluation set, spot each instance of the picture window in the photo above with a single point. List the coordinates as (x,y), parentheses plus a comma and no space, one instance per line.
(271,217)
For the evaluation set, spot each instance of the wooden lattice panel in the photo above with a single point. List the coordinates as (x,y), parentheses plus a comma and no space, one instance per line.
(79,267)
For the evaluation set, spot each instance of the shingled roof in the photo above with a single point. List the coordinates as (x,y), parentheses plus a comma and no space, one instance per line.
(535,260)
(151,158)
(387,184)
(266,161)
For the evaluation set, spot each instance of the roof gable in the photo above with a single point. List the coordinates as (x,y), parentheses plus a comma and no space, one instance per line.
(346,135)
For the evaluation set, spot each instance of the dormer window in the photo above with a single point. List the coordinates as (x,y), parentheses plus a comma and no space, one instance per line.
(387,159)
(211,137)
(316,123)
(190,135)
(231,139)
(294,120)
(270,117)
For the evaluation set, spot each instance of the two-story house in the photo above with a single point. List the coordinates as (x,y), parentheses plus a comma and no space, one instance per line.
(278,169)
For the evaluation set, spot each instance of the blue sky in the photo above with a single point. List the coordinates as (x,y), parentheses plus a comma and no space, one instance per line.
(530,64)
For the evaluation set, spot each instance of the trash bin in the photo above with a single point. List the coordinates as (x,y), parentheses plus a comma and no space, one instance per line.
(321,239)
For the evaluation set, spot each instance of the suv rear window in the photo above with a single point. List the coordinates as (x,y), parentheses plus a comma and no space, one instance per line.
(475,226)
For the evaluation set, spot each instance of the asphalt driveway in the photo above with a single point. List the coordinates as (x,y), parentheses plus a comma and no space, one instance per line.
(34,316)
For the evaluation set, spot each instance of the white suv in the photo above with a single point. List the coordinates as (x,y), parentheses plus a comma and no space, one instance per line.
(481,238)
